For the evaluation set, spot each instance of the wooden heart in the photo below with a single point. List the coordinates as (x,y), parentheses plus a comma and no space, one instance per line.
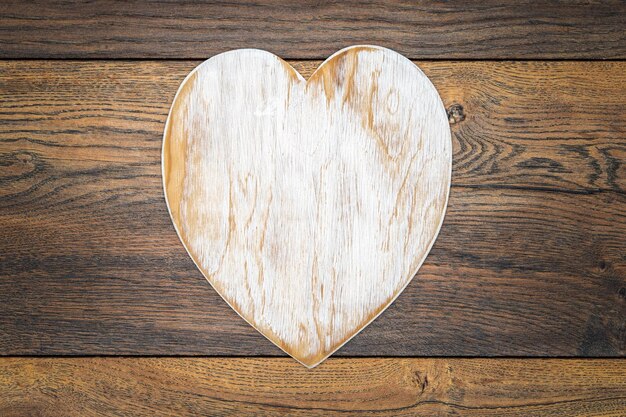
(308,205)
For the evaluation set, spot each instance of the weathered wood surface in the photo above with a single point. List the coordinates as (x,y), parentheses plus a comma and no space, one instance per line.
(308,205)
(271,387)
(313,29)
(530,260)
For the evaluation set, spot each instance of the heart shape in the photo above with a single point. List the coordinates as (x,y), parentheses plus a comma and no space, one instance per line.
(308,205)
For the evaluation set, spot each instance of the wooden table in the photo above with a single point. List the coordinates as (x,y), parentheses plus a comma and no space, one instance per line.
(520,309)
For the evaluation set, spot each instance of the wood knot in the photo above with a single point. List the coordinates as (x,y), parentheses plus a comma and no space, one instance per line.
(421,381)
(455,114)
(18,165)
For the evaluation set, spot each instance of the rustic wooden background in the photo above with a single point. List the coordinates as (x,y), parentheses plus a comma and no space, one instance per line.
(530,262)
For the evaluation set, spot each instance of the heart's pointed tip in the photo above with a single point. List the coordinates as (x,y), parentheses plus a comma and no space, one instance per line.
(310,363)
(312,366)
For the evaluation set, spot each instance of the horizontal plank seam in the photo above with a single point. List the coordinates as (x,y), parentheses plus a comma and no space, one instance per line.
(309,59)
(334,357)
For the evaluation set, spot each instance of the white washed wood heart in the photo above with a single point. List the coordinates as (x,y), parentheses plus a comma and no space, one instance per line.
(308,205)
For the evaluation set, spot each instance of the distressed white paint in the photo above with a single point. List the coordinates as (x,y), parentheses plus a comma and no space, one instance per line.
(309,206)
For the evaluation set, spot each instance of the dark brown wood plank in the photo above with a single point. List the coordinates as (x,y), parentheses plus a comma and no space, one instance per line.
(273,387)
(530,260)
(548,125)
(313,29)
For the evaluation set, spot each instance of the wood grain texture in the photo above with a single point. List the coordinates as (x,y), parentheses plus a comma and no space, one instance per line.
(313,29)
(308,205)
(276,387)
(530,260)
